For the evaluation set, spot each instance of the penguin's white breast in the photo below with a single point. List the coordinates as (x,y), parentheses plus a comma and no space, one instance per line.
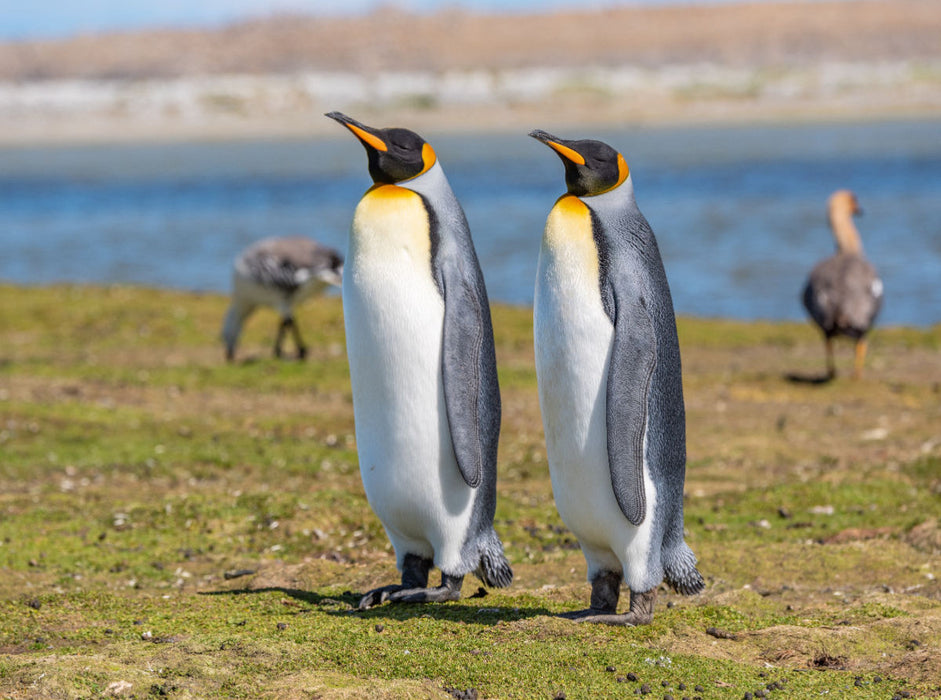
(573,337)
(394,317)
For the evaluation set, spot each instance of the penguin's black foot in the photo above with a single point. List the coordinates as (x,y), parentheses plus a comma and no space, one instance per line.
(605,591)
(440,594)
(415,571)
(377,596)
(301,353)
(450,589)
(640,613)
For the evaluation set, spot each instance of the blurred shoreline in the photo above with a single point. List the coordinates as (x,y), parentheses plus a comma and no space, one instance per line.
(455,70)
(230,107)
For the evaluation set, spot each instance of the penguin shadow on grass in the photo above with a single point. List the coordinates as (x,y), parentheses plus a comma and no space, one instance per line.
(345,605)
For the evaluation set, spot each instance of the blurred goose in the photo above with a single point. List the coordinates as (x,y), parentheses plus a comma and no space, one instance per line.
(844,294)
(280,273)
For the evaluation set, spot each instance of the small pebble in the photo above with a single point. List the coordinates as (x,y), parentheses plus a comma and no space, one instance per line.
(610,669)
(645,689)
(681,686)
(748,695)
(379,628)
(632,676)
(665,684)
(282,625)
(699,689)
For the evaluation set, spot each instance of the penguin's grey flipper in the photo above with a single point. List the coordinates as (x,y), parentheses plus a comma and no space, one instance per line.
(469,370)
(633,358)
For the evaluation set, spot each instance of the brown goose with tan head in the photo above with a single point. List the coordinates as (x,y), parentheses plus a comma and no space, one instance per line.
(844,293)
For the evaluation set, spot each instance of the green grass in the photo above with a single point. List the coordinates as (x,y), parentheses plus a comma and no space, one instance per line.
(141,477)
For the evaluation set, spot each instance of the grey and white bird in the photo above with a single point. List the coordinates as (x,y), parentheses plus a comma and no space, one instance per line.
(844,294)
(610,386)
(426,401)
(279,272)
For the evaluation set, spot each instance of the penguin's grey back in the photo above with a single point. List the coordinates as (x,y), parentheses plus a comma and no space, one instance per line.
(628,250)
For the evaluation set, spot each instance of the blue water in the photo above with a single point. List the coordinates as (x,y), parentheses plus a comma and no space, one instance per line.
(739,212)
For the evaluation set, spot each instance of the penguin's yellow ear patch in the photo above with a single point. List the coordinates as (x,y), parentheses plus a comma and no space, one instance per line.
(428,157)
(367,138)
(567,152)
(623,171)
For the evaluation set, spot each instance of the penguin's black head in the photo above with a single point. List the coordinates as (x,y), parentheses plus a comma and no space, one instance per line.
(394,154)
(591,167)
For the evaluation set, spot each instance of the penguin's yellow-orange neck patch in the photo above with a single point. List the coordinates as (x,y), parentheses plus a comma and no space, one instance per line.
(570,205)
(387,191)
(391,223)
(570,240)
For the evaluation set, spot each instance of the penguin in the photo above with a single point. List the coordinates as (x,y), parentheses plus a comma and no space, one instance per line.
(610,386)
(426,402)
(279,272)
(843,294)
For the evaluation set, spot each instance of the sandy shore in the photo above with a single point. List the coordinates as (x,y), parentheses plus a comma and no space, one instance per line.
(278,106)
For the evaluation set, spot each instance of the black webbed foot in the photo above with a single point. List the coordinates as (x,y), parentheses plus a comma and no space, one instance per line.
(414,587)
(605,591)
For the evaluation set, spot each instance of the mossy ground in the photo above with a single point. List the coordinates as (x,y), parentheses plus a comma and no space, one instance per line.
(141,476)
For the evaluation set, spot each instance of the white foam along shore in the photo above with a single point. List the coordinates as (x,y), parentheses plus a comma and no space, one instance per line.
(62,106)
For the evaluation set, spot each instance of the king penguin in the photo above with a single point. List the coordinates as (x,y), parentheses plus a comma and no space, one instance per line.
(610,386)
(426,402)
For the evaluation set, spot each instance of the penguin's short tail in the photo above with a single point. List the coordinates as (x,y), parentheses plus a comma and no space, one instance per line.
(494,570)
(681,573)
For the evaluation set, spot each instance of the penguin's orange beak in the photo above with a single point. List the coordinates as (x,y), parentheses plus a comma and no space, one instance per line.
(364,133)
(556,144)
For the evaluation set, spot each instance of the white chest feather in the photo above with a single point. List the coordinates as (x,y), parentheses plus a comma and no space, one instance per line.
(573,339)
(394,316)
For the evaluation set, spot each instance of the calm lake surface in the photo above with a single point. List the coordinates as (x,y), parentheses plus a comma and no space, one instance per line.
(740,213)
